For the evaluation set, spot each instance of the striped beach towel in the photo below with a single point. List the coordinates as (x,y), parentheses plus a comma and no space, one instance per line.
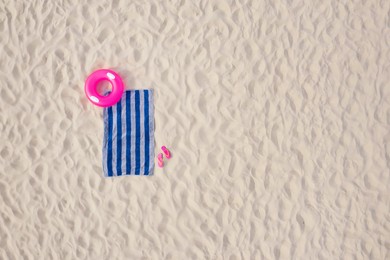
(128,145)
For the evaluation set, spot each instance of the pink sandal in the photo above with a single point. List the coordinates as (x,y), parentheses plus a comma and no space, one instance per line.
(166,152)
(160,161)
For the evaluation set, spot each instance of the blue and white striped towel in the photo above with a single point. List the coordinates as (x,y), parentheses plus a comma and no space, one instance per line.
(128,145)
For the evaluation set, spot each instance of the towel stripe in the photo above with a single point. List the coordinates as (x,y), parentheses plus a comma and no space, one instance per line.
(142,139)
(105,139)
(151,131)
(146,127)
(128,133)
(124,135)
(109,144)
(137,134)
(119,139)
(132,137)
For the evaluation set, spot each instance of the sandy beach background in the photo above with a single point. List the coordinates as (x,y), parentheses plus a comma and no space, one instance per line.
(277,114)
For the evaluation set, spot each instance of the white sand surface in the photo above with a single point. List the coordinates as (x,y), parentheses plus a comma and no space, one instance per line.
(277,114)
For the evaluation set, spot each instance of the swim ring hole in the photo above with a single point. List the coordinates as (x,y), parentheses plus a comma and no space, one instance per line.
(103,86)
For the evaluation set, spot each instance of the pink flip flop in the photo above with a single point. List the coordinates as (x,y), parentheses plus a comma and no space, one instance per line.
(160,161)
(166,152)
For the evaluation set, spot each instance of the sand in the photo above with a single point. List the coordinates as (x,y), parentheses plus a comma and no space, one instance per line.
(277,114)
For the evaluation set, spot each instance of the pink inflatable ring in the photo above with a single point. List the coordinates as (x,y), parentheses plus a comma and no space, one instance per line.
(92,82)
